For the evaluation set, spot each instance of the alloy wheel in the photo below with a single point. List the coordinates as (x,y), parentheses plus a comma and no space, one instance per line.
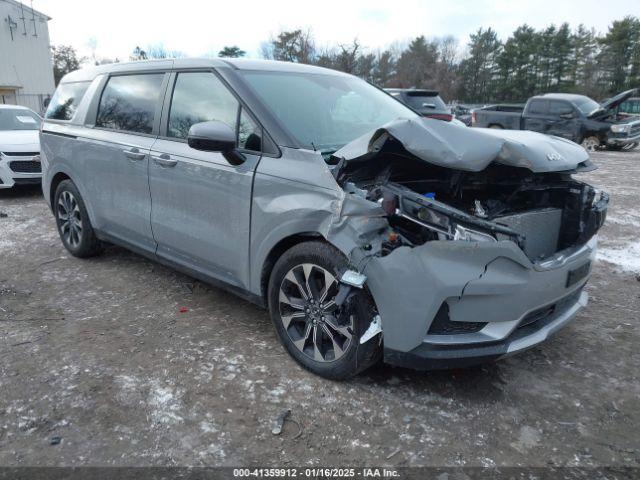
(591,144)
(69,220)
(315,324)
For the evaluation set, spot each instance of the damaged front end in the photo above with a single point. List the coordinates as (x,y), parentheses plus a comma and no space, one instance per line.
(488,238)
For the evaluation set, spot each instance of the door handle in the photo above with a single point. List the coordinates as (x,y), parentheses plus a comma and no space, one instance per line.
(134,154)
(164,160)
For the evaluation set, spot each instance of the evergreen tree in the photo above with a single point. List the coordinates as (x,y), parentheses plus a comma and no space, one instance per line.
(620,54)
(478,71)
(232,52)
(416,65)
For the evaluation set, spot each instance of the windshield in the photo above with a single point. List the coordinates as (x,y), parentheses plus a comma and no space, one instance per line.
(587,106)
(18,119)
(325,112)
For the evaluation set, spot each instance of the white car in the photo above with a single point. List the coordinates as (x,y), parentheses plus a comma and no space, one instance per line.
(19,146)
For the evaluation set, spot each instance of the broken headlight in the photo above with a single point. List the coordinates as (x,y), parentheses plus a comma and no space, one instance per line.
(469,235)
(624,128)
(425,216)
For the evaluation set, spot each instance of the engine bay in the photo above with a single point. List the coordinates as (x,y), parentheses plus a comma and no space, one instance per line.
(543,213)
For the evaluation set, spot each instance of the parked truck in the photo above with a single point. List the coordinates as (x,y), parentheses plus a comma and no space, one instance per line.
(575,117)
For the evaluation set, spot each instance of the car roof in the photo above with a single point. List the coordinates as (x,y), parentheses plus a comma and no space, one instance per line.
(19,107)
(89,73)
(571,97)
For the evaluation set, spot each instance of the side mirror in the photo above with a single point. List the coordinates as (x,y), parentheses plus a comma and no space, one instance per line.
(215,136)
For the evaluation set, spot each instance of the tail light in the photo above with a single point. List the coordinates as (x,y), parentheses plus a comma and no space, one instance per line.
(473,117)
(447,117)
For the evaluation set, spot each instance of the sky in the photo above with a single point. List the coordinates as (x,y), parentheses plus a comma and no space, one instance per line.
(113,28)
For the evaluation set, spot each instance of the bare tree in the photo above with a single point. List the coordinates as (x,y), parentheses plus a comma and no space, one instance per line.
(347,59)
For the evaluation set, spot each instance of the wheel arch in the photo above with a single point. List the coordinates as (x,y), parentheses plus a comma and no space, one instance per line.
(53,186)
(61,175)
(277,251)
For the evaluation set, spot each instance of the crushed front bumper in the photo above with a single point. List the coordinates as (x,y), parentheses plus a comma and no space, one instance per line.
(19,169)
(513,303)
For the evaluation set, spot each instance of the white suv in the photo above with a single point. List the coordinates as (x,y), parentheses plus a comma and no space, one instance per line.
(19,146)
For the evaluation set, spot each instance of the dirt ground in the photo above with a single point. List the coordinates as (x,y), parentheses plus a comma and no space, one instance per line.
(97,353)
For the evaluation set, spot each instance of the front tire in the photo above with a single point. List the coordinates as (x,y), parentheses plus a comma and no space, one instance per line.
(590,143)
(72,220)
(319,335)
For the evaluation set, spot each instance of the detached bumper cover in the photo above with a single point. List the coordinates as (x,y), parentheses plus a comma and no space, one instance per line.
(624,139)
(521,302)
(429,356)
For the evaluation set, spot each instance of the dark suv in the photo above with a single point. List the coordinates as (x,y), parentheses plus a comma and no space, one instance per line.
(426,102)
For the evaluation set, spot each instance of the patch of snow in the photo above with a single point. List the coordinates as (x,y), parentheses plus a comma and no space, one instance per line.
(625,219)
(626,258)
(165,403)
(207,427)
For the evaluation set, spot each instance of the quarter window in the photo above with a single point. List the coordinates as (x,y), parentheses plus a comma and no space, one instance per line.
(65,101)
(129,102)
(249,133)
(200,97)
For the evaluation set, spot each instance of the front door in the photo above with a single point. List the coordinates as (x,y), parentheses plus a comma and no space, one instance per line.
(564,120)
(201,204)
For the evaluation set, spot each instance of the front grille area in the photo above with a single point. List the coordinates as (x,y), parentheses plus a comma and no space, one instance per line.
(25,166)
(21,154)
(442,325)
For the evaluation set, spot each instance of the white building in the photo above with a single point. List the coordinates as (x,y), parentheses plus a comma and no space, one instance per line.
(26,69)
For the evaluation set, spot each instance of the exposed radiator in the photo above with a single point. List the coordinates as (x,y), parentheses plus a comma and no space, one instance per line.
(541,229)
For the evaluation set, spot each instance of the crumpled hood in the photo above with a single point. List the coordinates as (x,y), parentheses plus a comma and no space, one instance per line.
(19,141)
(471,149)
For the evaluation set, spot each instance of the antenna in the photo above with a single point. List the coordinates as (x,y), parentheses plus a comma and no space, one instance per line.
(33,19)
(24,23)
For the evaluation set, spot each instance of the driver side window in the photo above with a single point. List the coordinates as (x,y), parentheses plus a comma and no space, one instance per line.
(560,108)
(200,97)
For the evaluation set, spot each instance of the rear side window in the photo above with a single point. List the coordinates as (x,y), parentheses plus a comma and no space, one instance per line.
(420,101)
(538,106)
(129,102)
(200,97)
(65,101)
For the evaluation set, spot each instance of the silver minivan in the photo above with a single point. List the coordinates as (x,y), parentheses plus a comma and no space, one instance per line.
(368,231)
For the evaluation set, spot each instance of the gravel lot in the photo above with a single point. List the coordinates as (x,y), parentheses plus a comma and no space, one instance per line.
(97,353)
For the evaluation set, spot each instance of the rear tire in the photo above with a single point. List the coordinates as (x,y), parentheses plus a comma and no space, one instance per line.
(72,220)
(321,337)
